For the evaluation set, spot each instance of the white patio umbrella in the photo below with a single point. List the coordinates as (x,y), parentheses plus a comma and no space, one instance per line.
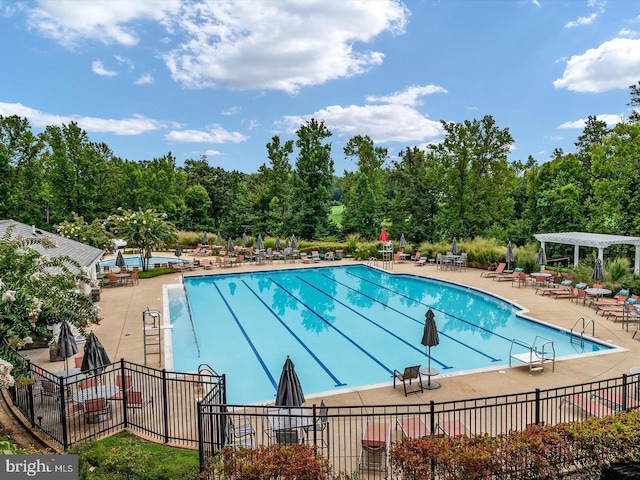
(510,257)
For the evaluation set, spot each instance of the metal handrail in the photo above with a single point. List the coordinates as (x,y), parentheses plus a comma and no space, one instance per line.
(193,325)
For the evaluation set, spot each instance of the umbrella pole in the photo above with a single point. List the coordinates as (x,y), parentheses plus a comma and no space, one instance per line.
(429,367)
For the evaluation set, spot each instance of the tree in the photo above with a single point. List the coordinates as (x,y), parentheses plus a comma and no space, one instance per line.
(313,181)
(37,291)
(197,204)
(635,103)
(144,229)
(364,195)
(476,177)
(94,233)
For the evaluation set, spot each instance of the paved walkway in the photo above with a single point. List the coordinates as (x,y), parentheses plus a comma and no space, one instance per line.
(122,335)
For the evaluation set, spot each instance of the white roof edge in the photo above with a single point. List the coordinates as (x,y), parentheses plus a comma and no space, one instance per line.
(599,240)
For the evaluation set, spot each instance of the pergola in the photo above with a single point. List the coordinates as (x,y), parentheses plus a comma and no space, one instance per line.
(594,240)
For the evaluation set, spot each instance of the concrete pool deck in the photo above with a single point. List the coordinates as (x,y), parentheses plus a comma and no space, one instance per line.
(121,333)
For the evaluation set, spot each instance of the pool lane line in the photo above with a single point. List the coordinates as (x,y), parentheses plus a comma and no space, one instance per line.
(432,307)
(329,324)
(493,359)
(246,336)
(389,332)
(338,383)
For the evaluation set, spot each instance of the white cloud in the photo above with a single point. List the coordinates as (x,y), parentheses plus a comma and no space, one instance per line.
(231,111)
(614,64)
(99,69)
(125,61)
(393,121)
(610,119)
(135,125)
(145,79)
(212,153)
(582,21)
(280,45)
(70,21)
(216,134)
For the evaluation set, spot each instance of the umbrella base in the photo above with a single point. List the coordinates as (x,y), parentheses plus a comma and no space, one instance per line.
(429,385)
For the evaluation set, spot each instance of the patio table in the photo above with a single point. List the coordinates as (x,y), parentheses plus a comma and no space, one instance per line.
(98,391)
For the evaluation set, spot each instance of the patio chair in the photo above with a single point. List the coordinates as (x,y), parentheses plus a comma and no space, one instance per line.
(413,427)
(289,436)
(375,446)
(407,377)
(317,430)
(330,256)
(136,401)
(88,383)
(97,410)
(238,436)
(73,409)
(520,280)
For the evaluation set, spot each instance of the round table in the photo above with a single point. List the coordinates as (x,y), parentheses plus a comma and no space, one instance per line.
(597,292)
(634,370)
(429,372)
(98,391)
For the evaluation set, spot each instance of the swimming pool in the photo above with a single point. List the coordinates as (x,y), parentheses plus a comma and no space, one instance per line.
(137,262)
(344,327)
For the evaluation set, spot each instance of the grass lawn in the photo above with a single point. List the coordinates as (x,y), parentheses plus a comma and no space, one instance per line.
(125,456)
(336,214)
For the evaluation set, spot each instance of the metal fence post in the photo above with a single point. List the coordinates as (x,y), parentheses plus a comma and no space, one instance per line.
(65,433)
(165,409)
(625,389)
(537,407)
(123,388)
(200,436)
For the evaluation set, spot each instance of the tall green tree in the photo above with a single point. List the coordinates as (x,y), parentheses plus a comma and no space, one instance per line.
(477,177)
(313,181)
(364,199)
(197,203)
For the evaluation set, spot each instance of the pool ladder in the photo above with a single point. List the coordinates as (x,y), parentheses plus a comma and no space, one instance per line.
(579,338)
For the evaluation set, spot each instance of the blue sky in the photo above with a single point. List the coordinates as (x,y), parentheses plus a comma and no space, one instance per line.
(220,78)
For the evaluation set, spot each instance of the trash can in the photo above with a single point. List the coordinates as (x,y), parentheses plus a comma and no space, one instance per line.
(95,294)
(339,254)
(618,471)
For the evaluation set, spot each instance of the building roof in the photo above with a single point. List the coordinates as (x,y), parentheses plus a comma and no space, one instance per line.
(85,255)
(596,240)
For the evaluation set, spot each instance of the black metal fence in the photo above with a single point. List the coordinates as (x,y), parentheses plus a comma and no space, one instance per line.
(357,439)
(190,410)
(155,404)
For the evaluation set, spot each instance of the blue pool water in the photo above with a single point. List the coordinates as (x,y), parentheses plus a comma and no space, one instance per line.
(137,262)
(343,327)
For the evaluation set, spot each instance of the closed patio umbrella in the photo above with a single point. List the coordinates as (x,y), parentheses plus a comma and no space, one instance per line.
(205,239)
(289,393)
(294,241)
(260,243)
(383,235)
(178,250)
(277,243)
(219,239)
(120,259)
(541,259)
(454,246)
(67,344)
(510,256)
(245,240)
(598,273)
(95,356)
(403,242)
(286,242)
(230,246)
(430,338)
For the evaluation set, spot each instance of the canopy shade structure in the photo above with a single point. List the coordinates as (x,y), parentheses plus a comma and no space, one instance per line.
(594,240)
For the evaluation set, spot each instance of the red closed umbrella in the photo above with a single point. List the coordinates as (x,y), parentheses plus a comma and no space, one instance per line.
(383,235)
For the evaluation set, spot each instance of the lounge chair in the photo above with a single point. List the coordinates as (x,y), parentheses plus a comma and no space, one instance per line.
(564,286)
(407,378)
(413,427)
(136,401)
(568,293)
(507,278)
(375,446)
(589,405)
(453,428)
(494,273)
(619,298)
(315,256)
(304,258)
(615,399)
(206,264)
